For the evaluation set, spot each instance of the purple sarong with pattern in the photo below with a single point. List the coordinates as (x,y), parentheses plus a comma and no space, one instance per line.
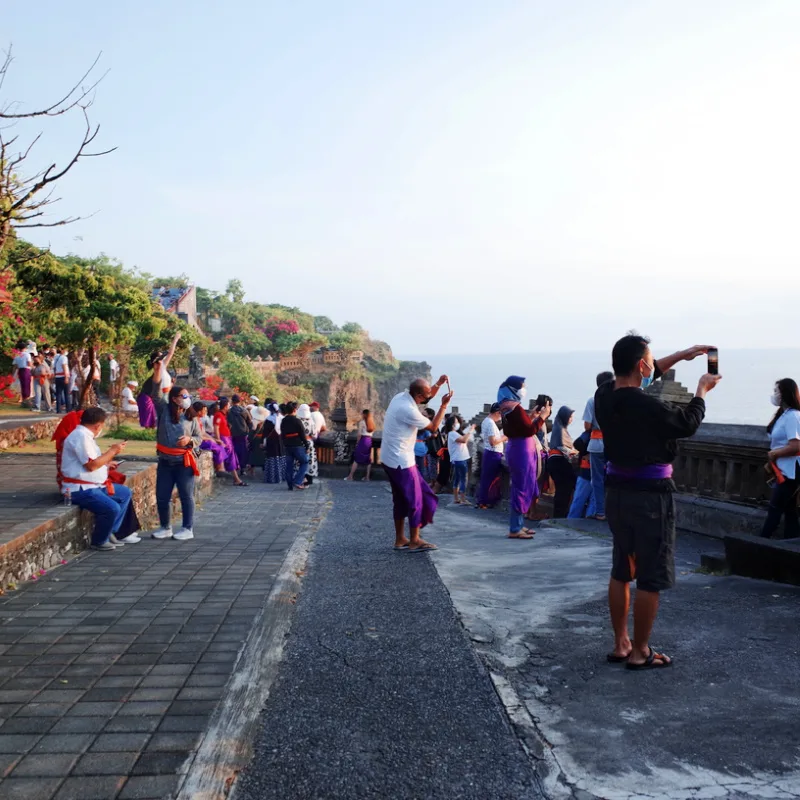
(363,450)
(491,485)
(147,411)
(412,497)
(522,456)
(217,451)
(231,462)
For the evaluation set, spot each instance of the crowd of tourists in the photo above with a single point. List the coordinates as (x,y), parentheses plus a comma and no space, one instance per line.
(52,378)
(619,468)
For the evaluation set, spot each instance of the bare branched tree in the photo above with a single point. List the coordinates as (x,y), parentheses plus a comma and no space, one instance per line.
(24,199)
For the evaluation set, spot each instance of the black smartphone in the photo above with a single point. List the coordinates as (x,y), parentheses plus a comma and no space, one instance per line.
(713,361)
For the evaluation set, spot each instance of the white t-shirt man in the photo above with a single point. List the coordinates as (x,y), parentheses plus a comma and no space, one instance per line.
(128,400)
(595,445)
(489,428)
(400,425)
(319,420)
(113,367)
(61,366)
(23,361)
(80,448)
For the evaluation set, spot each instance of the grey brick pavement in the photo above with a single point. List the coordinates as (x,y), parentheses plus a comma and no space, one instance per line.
(111,666)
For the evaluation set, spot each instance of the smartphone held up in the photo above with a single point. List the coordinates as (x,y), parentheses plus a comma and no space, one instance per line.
(713,361)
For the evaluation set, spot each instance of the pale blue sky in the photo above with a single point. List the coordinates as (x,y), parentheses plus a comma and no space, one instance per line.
(457,176)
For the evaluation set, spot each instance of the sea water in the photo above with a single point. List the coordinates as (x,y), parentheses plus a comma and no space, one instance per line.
(743,395)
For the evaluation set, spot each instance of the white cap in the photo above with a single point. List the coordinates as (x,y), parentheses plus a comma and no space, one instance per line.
(260,413)
(253,398)
(133,383)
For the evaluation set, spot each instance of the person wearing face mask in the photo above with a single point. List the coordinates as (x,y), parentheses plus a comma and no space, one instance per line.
(412,497)
(640,434)
(178,440)
(84,478)
(559,462)
(458,440)
(784,455)
(521,452)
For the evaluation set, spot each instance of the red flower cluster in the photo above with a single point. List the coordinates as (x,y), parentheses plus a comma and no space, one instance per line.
(272,327)
(6,393)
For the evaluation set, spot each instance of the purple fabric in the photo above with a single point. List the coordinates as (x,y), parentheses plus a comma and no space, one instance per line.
(522,457)
(24,375)
(242,449)
(363,450)
(491,485)
(647,472)
(147,411)
(217,451)
(412,497)
(231,461)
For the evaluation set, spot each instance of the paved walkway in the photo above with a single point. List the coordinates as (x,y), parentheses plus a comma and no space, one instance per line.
(111,667)
(380,694)
(721,723)
(24,418)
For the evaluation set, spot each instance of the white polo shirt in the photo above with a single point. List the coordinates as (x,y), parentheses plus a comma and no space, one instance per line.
(319,420)
(400,425)
(80,447)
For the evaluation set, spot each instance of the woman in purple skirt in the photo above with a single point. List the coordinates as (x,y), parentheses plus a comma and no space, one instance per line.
(492,461)
(23,363)
(217,449)
(363,451)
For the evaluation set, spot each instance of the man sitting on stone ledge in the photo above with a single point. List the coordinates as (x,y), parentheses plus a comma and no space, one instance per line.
(85,478)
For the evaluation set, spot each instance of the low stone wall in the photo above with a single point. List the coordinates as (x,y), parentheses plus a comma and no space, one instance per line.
(63,531)
(27,432)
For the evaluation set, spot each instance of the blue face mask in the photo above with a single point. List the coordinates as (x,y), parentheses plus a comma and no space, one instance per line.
(646,382)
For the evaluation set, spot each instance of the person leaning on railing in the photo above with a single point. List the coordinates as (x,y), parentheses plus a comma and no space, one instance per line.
(784,456)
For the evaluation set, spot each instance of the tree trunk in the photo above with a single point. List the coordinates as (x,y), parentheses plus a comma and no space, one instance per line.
(87,383)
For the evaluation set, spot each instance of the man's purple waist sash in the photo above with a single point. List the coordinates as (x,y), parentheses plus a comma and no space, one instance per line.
(647,472)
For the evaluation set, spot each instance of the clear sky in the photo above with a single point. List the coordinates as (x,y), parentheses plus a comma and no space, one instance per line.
(457,175)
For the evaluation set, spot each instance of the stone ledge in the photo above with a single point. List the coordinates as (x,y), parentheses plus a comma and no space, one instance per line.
(765,559)
(52,534)
(29,432)
(716,518)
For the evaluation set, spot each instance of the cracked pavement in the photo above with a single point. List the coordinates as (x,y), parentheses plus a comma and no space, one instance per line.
(721,723)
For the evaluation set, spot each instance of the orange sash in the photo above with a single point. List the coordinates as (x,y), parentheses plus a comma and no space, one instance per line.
(596,435)
(189,459)
(555,452)
(108,483)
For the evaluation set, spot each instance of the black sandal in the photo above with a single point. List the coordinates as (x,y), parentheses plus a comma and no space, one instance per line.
(650,662)
(241,483)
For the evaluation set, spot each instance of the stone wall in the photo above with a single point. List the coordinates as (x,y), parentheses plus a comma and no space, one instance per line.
(29,432)
(62,531)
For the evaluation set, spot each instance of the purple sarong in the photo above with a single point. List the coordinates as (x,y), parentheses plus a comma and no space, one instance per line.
(231,461)
(646,472)
(522,457)
(412,497)
(363,450)
(24,375)
(217,451)
(242,449)
(491,485)
(147,411)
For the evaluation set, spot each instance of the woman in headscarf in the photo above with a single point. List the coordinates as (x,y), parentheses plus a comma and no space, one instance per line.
(521,452)
(558,462)
(304,415)
(275,459)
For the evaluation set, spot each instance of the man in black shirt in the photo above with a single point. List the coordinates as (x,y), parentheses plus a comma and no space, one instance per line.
(639,434)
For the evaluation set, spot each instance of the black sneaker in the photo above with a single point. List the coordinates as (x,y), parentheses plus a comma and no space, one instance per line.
(106,547)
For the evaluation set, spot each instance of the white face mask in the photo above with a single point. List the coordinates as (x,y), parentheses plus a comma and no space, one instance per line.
(776,399)
(523,393)
(456,426)
(186,402)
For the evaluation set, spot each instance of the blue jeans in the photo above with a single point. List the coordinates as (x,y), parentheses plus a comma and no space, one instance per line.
(516,522)
(109,510)
(61,395)
(300,456)
(581,497)
(598,463)
(168,475)
(459,475)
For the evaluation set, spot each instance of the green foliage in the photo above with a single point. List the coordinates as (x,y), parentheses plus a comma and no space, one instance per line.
(325,324)
(239,373)
(132,433)
(342,340)
(352,327)
(235,290)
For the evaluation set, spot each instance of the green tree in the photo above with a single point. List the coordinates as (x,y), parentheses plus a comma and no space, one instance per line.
(325,324)
(352,327)
(235,290)
(239,373)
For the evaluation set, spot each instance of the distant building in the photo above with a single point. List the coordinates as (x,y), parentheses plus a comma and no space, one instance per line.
(180,300)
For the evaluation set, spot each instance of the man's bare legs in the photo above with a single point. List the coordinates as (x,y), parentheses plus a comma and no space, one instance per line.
(619,598)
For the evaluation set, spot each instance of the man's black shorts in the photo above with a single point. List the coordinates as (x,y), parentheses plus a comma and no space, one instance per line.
(643,526)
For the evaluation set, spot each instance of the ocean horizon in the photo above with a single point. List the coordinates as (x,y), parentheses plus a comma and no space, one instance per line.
(742,397)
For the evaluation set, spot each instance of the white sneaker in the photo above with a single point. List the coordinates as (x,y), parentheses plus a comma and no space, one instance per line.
(162,533)
(132,539)
(116,542)
(183,534)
